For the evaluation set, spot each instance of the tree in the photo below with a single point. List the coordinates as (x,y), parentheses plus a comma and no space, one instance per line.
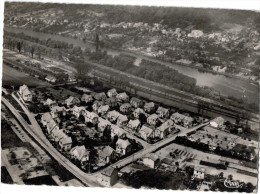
(32,50)
(142,118)
(19,46)
(82,70)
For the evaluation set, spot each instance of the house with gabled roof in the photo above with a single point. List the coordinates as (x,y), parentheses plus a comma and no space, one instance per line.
(58,134)
(103,110)
(106,154)
(25,93)
(111,102)
(96,105)
(51,125)
(80,153)
(122,97)
(112,93)
(86,98)
(162,131)
(163,112)
(77,110)
(153,119)
(125,108)
(71,101)
(151,160)
(113,115)
(115,130)
(146,132)
(177,117)
(149,107)
(103,124)
(122,120)
(100,96)
(136,102)
(65,143)
(46,117)
(137,112)
(134,124)
(123,147)
(51,103)
(187,121)
(90,117)
(57,110)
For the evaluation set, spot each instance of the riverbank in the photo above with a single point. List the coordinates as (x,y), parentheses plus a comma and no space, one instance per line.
(226,86)
(137,54)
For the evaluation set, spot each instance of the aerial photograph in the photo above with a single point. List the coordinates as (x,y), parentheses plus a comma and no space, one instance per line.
(135,97)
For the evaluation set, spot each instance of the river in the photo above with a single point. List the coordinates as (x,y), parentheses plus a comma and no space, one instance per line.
(228,86)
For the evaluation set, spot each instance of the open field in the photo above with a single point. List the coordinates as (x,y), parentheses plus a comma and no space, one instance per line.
(12,76)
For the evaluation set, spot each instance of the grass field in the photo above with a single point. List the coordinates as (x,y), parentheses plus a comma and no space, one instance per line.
(14,77)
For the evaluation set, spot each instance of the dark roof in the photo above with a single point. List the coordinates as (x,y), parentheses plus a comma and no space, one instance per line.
(108,172)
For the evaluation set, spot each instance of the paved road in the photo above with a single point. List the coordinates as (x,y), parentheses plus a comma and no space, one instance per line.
(88,179)
(152,147)
(35,131)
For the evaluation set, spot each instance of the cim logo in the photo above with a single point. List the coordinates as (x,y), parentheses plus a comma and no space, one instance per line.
(232,184)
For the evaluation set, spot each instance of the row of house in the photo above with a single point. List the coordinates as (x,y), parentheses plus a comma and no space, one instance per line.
(55,133)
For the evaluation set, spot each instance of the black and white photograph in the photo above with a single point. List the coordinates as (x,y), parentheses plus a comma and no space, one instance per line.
(130,96)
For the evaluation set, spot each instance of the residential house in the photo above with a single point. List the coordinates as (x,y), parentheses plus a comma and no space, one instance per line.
(90,117)
(86,98)
(109,177)
(153,119)
(170,124)
(25,93)
(50,79)
(111,102)
(106,154)
(71,101)
(103,110)
(65,143)
(56,111)
(80,153)
(100,96)
(149,107)
(112,93)
(177,117)
(134,124)
(151,160)
(163,112)
(136,102)
(122,120)
(96,105)
(113,115)
(51,103)
(51,126)
(199,173)
(137,112)
(122,97)
(217,122)
(162,131)
(187,121)
(123,147)
(57,134)
(116,131)
(125,108)
(46,117)
(146,132)
(103,124)
(77,111)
